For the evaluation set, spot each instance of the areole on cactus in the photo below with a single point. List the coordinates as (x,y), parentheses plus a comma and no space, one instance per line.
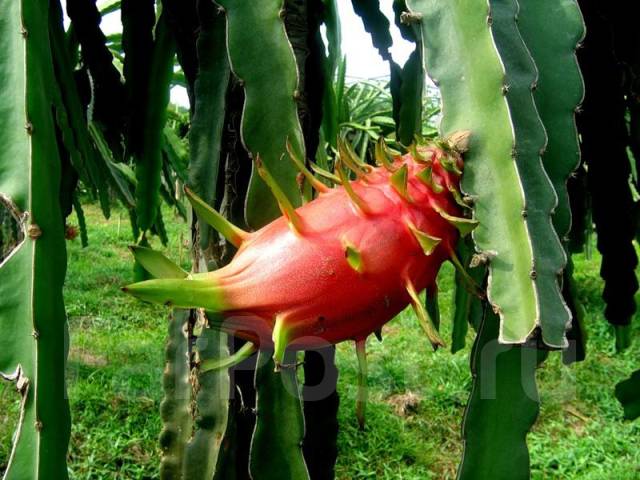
(339,267)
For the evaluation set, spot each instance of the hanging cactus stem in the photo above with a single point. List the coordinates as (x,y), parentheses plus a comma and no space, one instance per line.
(361,398)
(423,317)
(315,183)
(286,207)
(227,229)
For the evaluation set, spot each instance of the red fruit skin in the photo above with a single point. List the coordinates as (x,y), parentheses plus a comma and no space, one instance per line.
(304,276)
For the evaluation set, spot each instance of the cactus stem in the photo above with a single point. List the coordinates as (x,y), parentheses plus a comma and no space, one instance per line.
(383,157)
(228,230)
(423,317)
(286,207)
(399,181)
(353,196)
(242,354)
(426,241)
(361,399)
(315,183)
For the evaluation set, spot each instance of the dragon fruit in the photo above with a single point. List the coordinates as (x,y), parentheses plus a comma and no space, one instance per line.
(337,268)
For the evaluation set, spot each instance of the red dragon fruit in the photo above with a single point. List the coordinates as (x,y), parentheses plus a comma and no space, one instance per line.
(340,266)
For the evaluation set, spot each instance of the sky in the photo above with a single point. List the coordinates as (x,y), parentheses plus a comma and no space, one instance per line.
(363,60)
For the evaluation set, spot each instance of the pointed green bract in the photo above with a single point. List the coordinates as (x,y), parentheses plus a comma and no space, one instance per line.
(276,452)
(464,225)
(361,399)
(315,183)
(240,355)
(270,83)
(328,175)
(399,181)
(208,214)
(33,346)
(280,337)
(382,155)
(156,263)
(425,321)
(287,208)
(348,188)
(426,177)
(472,92)
(202,292)
(349,158)
(426,241)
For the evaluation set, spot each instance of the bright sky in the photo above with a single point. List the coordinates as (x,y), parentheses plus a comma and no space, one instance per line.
(363,60)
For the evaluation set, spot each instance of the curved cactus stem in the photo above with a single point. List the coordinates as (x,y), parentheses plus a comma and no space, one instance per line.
(502,408)
(628,394)
(269,115)
(207,123)
(426,241)
(315,183)
(472,90)
(549,258)
(228,230)
(399,180)
(423,317)
(156,263)
(361,398)
(328,175)
(348,188)
(383,156)
(286,207)
(211,410)
(240,355)
(202,292)
(175,409)
(276,452)
(33,347)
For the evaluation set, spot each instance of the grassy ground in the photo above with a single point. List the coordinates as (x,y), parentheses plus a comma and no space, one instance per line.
(417,396)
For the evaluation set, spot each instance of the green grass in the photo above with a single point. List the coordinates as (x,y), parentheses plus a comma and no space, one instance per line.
(116,360)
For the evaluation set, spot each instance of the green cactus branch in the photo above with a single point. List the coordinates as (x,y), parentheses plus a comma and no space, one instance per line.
(33,347)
